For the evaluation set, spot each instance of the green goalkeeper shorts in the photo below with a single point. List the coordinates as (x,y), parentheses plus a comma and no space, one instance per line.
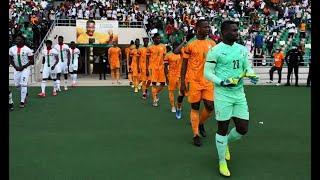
(228,107)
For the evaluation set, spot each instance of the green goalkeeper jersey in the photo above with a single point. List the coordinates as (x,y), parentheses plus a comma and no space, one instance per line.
(225,61)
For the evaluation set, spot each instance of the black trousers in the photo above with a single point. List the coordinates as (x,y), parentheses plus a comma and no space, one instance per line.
(273,68)
(294,68)
(309,76)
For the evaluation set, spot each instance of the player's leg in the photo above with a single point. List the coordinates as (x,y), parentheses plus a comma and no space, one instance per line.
(195,120)
(10,101)
(296,72)
(279,75)
(204,116)
(271,71)
(65,74)
(58,71)
(223,113)
(112,72)
(17,80)
(24,89)
(53,76)
(154,94)
(118,75)
(171,88)
(290,68)
(179,102)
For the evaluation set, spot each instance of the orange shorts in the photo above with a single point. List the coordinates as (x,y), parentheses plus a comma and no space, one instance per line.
(114,65)
(174,83)
(198,91)
(143,76)
(157,75)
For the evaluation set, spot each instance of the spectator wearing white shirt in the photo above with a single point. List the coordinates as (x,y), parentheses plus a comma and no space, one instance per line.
(292,29)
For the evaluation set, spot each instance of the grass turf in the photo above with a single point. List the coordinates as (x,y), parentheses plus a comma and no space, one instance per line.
(104,133)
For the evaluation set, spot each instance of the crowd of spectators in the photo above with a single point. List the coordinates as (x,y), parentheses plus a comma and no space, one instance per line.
(260,21)
(30,18)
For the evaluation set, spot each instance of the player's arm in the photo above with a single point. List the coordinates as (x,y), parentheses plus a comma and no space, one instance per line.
(109,52)
(138,62)
(166,70)
(68,56)
(13,64)
(147,61)
(178,49)
(30,58)
(248,71)
(287,55)
(210,66)
(57,61)
(120,57)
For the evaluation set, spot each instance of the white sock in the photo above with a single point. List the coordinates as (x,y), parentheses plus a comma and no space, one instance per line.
(10,98)
(58,85)
(65,83)
(74,78)
(43,86)
(24,91)
(55,87)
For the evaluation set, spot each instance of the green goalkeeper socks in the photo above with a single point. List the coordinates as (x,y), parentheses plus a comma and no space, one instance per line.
(221,144)
(233,135)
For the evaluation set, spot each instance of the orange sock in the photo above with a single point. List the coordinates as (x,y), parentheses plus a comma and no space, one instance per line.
(171,98)
(204,115)
(144,86)
(118,74)
(154,92)
(194,116)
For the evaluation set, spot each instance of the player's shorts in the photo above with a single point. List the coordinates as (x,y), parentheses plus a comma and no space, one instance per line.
(174,83)
(21,77)
(115,65)
(157,75)
(48,72)
(73,67)
(64,67)
(198,91)
(227,107)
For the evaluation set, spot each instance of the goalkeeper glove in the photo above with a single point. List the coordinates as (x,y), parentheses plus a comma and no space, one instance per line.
(253,77)
(230,82)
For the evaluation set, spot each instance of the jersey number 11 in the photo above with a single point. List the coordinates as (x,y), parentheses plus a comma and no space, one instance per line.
(236,64)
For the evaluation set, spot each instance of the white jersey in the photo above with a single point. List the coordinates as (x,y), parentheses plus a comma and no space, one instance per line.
(20,55)
(49,57)
(74,53)
(62,50)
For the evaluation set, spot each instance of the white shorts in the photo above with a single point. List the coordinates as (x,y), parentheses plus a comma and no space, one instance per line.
(48,72)
(64,67)
(21,77)
(73,67)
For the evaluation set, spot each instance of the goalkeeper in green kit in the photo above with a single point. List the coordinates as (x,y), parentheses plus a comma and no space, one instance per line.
(226,66)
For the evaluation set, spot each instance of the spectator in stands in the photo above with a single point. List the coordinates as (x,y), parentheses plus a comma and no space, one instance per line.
(277,65)
(293,59)
(270,40)
(292,29)
(258,42)
(302,29)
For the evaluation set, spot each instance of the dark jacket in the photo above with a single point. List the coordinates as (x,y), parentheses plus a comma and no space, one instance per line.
(294,57)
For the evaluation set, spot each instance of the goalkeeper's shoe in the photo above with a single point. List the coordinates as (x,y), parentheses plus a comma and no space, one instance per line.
(227,156)
(223,169)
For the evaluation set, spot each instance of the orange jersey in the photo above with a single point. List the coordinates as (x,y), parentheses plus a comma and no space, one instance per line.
(142,52)
(134,61)
(278,59)
(114,54)
(174,61)
(127,51)
(196,51)
(156,56)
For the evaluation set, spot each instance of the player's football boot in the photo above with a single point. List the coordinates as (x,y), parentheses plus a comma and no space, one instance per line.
(227,156)
(11,107)
(42,94)
(178,113)
(144,96)
(197,141)
(202,131)
(173,109)
(54,93)
(66,88)
(223,169)
(21,105)
(136,90)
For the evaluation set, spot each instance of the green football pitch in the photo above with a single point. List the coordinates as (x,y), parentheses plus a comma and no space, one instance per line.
(110,133)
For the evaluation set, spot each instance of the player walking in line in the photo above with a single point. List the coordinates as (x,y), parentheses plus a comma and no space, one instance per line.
(50,64)
(173,62)
(73,67)
(114,56)
(180,50)
(134,65)
(198,87)
(225,65)
(127,51)
(64,62)
(155,63)
(21,57)
(144,75)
